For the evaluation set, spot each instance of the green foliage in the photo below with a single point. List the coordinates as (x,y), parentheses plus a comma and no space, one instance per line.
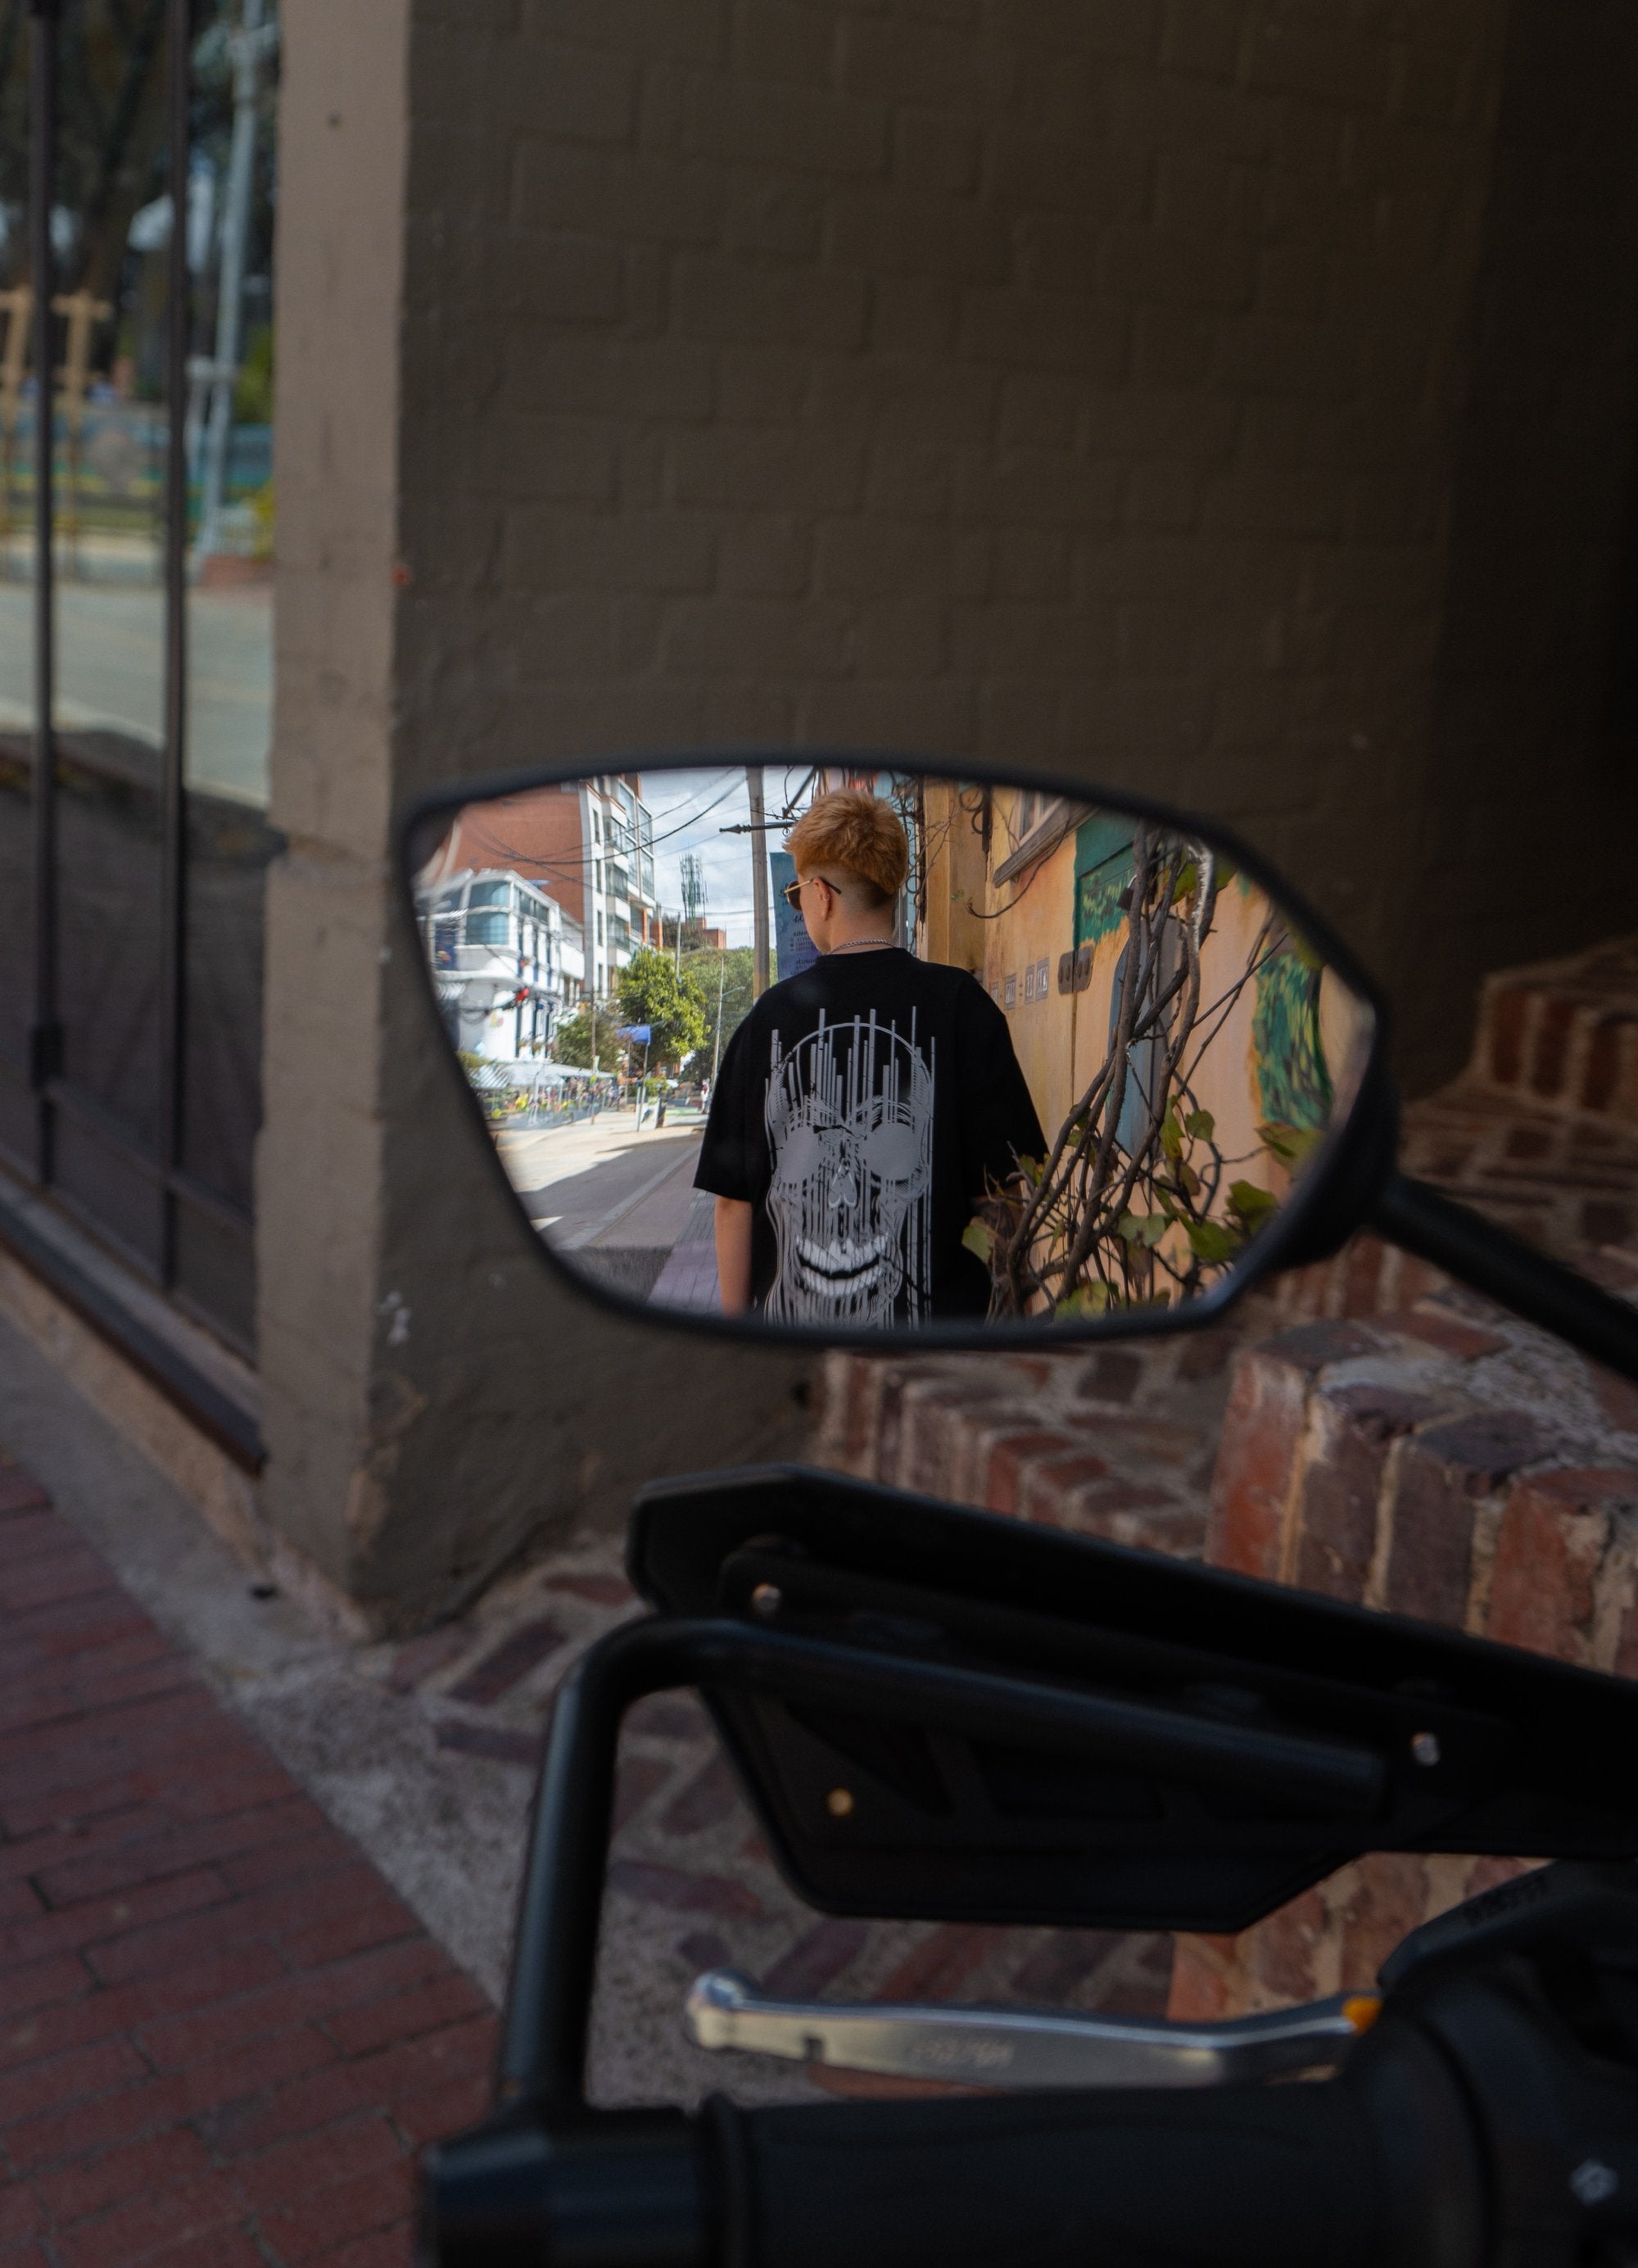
(1138,1202)
(261,507)
(1292,1145)
(651,992)
(1090,1300)
(977,1236)
(1211,1241)
(736,971)
(572,1044)
(1144,1228)
(253,392)
(1251,1205)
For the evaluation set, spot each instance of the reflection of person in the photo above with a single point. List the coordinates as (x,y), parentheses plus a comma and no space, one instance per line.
(863,1107)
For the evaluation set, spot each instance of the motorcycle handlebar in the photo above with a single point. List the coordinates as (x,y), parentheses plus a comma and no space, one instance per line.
(1351,2173)
(1247,2178)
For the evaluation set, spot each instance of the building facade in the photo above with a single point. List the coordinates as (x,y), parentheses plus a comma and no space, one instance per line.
(509,965)
(591,849)
(1235,401)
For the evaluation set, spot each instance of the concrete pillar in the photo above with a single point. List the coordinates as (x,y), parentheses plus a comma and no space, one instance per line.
(433,1401)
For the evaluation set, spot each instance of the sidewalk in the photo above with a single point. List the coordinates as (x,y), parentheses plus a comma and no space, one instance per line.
(223,2034)
(291,1865)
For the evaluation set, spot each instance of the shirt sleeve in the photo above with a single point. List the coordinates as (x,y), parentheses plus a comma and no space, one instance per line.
(999,1125)
(725,1166)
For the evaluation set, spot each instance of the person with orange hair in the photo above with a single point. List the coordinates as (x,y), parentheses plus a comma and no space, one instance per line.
(864,1108)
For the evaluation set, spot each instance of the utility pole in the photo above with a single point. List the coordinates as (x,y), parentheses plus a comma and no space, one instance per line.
(759,878)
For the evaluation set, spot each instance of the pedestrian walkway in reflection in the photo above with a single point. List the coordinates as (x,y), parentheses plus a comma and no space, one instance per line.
(617,1200)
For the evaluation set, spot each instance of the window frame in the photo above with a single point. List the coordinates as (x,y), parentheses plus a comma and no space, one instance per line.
(54,1103)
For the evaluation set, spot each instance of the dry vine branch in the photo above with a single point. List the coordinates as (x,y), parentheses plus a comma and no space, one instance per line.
(1130,1204)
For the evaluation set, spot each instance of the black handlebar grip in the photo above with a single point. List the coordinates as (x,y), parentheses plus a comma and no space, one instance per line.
(1333,2175)
(622,2189)
(1379,2169)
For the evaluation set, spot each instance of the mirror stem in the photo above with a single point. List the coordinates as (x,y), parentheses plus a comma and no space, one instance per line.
(1452,1237)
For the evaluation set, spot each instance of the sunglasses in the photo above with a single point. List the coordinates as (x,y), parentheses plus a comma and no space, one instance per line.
(792,891)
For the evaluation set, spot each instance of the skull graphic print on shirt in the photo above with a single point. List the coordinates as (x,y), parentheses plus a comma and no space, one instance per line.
(849,1120)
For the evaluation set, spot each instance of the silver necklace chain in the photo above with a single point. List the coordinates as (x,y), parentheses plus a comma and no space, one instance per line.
(864,945)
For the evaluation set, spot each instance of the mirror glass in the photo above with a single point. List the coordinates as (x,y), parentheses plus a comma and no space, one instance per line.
(855,1049)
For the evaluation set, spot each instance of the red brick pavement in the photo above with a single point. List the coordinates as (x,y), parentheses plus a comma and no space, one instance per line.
(222,2036)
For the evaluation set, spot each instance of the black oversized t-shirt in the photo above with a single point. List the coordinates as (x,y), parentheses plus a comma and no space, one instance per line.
(863,1108)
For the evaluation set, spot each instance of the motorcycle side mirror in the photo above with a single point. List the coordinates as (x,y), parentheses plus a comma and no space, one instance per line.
(839,1045)
(975,1058)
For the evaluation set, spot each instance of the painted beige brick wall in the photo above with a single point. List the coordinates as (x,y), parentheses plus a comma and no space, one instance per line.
(1024,381)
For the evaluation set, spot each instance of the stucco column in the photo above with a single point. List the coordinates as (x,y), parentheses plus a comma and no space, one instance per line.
(432,1401)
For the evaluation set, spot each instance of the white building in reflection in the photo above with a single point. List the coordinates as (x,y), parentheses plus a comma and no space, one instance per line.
(588,847)
(510,964)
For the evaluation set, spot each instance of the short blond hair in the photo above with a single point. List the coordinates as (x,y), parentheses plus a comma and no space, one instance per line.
(857,831)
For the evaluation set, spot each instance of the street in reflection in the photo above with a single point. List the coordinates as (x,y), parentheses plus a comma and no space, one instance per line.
(842,1047)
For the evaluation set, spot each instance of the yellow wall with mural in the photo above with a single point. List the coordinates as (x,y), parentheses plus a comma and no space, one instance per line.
(1061,1033)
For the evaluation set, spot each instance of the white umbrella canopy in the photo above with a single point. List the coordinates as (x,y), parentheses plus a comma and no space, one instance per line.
(491,1072)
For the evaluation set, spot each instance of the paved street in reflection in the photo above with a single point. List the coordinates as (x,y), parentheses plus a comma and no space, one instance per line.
(615,1199)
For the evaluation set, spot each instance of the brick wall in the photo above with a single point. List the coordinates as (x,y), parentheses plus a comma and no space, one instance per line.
(1117,1442)
(1398,1443)
(1082,383)
(1441,1460)
(1435,1456)
(1021,381)
(1444,1461)
(1435,1465)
